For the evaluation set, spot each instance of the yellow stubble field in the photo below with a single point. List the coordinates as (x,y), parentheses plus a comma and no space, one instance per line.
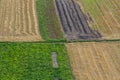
(18,21)
(104,16)
(95,61)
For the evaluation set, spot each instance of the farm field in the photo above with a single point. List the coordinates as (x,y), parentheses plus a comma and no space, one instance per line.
(74,22)
(59,40)
(95,61)
(32,61)
(18,21)
(103,15)
(49,23)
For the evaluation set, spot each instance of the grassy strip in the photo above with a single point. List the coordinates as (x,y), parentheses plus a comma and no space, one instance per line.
(30,61)
(48,21)
(65,41)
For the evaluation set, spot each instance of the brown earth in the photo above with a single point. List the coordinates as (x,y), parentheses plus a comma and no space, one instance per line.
(74,21)
(18,21)
(95,61)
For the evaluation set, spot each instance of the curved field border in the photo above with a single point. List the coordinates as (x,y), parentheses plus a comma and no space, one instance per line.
(105,15)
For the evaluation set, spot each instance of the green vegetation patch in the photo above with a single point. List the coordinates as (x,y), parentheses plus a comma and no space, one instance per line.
(32,61)
(48,21)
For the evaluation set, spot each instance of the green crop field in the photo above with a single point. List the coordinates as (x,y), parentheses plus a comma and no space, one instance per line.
(48,21)
(32,61)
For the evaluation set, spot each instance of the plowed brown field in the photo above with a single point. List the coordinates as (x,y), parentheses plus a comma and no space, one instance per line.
(74,22)
(18,21)
(95,61)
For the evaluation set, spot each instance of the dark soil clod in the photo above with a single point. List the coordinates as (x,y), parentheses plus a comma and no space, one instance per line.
(74,21)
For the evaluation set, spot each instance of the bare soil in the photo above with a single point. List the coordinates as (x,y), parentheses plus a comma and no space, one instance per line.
(74,21)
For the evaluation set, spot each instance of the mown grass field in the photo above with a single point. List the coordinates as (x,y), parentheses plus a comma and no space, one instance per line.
(105,15)
(32,61)
(48,21)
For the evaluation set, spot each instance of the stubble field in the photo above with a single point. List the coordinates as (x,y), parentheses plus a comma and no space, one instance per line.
(103,15)
(18,21)
(95,61)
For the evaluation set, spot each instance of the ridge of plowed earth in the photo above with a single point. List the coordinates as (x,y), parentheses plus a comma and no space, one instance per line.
(18,21)
(31,61)
(49,23)
(105,15)
(95,61)
(74,21)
